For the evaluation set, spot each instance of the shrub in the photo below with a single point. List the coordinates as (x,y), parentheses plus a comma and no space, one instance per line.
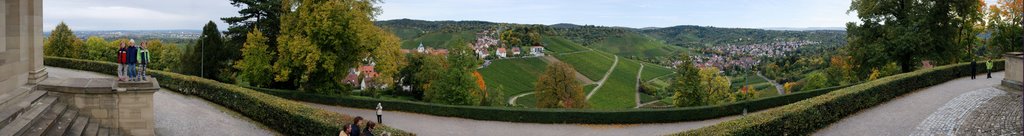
(285,116)
(807,116)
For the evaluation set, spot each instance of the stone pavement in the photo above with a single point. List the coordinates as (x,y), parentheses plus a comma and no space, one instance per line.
(183,115)
(903,115)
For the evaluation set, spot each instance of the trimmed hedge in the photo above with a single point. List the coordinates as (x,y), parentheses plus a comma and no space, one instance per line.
(807,116)
(535,115)
(287,117)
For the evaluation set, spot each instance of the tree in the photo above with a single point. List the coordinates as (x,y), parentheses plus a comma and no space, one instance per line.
(715,85)
(321,39)
(687,87)
(164,56)
(816,80)
(558,88)
(96,48)
(255,67)
(206,57)
(456,85)
(908,31)
(62,42)
(255,14)
(1005,19)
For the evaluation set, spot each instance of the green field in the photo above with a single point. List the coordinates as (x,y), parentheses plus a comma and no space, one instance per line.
(515,75)
(561,45)
(619,91)
(635,45)
(591,64)
(438,39)
(652,71)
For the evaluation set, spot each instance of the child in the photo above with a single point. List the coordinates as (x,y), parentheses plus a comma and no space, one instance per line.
(143,59)
(988,67)
(133,52)
(122,53)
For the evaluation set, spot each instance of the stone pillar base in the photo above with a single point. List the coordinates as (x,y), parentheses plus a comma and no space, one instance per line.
(34,77)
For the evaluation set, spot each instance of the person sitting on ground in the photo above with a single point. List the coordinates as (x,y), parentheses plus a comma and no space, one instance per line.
(122,53)
(370,126)
(345,130)
(355,126)
(143,58)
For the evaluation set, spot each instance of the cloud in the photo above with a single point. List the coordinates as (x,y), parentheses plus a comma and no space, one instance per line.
(136,14)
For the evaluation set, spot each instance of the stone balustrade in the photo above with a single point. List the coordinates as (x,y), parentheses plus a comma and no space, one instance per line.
(126,106)
(1014,70)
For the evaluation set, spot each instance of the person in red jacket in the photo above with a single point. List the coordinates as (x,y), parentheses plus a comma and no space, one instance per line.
(122,54)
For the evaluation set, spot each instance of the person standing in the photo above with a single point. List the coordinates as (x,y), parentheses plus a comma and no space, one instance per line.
(143,58)
(122,53)
(355,126)
(132,52)
(988,67)
(974,68)
(345,130)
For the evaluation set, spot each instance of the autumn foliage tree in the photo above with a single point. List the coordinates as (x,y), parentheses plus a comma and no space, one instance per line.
(558,88)
(62,42)
(255,67)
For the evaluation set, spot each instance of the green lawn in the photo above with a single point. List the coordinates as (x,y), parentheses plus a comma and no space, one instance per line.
(591,64)
(652,71)
(561,45)
(619,90)
(438,39)
(516,75)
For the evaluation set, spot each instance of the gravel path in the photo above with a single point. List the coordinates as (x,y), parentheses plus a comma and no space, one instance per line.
(947,119)
(999,116)
(637,89)
(605,78)
(778,87)
(182,115)
(429,125)
(902,115)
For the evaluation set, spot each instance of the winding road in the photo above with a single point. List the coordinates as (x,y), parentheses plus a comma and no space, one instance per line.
(605,78)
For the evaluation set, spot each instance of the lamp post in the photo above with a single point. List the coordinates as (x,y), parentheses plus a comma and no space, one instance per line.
(379,112)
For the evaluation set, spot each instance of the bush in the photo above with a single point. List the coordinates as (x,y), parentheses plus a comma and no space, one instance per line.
(285,116)
(807,116)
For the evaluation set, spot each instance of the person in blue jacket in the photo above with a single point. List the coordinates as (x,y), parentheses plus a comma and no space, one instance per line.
(133,53)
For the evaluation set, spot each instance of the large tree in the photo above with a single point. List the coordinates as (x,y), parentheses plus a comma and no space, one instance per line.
(321,39)
(687,86)
(558,88)
(1004,22)
(206,58)
(255,66)
(457,85)
(264,15)
(62,42)
(905,32)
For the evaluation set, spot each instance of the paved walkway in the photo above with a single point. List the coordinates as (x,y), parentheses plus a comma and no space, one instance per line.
(429,125)
(183,115)
(905,114)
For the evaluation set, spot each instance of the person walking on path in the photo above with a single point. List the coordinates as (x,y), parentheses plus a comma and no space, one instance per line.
(988,67)
(974,68)
(143,58)
(122,53)
(133,52)
(355,126)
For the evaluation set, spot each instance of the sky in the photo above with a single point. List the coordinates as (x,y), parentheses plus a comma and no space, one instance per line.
(193,14)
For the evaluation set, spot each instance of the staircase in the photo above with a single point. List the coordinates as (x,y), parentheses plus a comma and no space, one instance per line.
(28,112)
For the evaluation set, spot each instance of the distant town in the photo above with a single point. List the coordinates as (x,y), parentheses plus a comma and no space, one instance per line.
(138,34)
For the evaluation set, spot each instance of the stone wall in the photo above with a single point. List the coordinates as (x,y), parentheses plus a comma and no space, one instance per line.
(132,112)
(1014,70)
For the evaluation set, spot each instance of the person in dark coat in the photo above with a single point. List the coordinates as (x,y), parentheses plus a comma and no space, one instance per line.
(370,126)
(355,126)
(974,68)
(133,53)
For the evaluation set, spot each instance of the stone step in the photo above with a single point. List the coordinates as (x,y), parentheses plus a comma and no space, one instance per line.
(77,128)
(9,96)
(16,105)
(63,123)
(91,128)
(25,118)
(44,121)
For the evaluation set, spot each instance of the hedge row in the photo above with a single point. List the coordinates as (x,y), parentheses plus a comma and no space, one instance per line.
(287,117)
(805,117)
(534,115)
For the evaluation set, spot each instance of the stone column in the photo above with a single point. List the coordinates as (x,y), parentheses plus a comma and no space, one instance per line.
(37,72)
(13,71)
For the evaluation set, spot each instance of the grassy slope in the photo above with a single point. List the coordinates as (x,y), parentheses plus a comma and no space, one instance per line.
(516,75)
(561,45)
(620,88)
(652,71)
(632,44)
(590,64)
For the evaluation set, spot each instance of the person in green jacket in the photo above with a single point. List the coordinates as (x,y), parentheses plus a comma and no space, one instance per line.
(143,59)
(988,67)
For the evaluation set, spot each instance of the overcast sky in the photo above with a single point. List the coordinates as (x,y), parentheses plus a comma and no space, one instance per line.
(193,14)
